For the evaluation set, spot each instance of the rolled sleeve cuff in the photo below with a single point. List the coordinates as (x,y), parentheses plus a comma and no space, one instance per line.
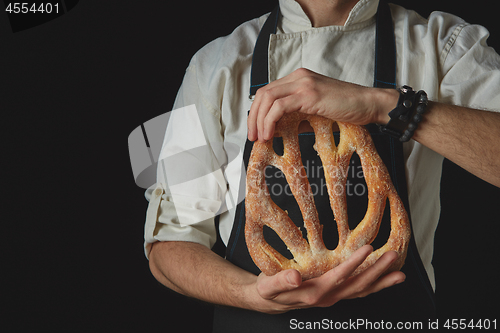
(174,218)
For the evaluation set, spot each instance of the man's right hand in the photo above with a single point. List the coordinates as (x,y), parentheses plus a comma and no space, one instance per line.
(195,271)
(286,291)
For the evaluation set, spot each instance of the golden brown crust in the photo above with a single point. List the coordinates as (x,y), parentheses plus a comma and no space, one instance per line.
(310,257)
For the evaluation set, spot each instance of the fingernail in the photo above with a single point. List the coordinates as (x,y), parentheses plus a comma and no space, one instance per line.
(398,282)
(251,136)
(290,280)
(266,135)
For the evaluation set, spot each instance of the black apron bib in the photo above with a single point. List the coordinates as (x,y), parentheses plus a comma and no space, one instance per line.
(412,300)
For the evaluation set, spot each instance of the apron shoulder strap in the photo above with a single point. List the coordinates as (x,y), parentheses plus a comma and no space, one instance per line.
(385,44)
(260,71)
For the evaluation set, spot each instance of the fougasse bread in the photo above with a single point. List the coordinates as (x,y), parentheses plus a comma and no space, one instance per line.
(310,257)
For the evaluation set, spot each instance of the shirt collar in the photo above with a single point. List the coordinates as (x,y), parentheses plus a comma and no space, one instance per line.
(295,16)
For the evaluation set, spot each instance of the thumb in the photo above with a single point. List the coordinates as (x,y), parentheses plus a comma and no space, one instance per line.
(270,287)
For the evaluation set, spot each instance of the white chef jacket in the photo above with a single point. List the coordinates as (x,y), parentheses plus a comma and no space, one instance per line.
(443,55)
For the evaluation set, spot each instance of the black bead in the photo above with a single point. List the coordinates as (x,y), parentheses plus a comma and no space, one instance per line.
(417,118)
(412,127)
(423,97)
(404,138)
(421,108)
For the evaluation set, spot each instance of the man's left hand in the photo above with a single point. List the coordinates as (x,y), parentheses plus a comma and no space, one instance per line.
(308,92)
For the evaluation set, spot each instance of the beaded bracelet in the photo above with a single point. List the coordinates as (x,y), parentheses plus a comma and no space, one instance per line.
(407,115)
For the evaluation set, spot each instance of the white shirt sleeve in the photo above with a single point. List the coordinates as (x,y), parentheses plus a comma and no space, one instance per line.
(471,69)
(190,186)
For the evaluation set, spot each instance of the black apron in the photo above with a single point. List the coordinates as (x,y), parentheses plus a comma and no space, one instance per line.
(412,300)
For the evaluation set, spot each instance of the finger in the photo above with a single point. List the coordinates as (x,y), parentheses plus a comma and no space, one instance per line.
(386,281)
(317,287)
(345,269)
(367,281)
(280,107)
(252,116)
(266,100)
(281,99)
(270,287)
(263,100)
(382,264)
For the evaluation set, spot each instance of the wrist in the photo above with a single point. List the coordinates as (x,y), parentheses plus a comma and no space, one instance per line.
(254,301)
(383,101)
(404,119)
(250,297)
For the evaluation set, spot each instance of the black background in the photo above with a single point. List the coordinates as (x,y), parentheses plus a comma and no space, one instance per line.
(71,91)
